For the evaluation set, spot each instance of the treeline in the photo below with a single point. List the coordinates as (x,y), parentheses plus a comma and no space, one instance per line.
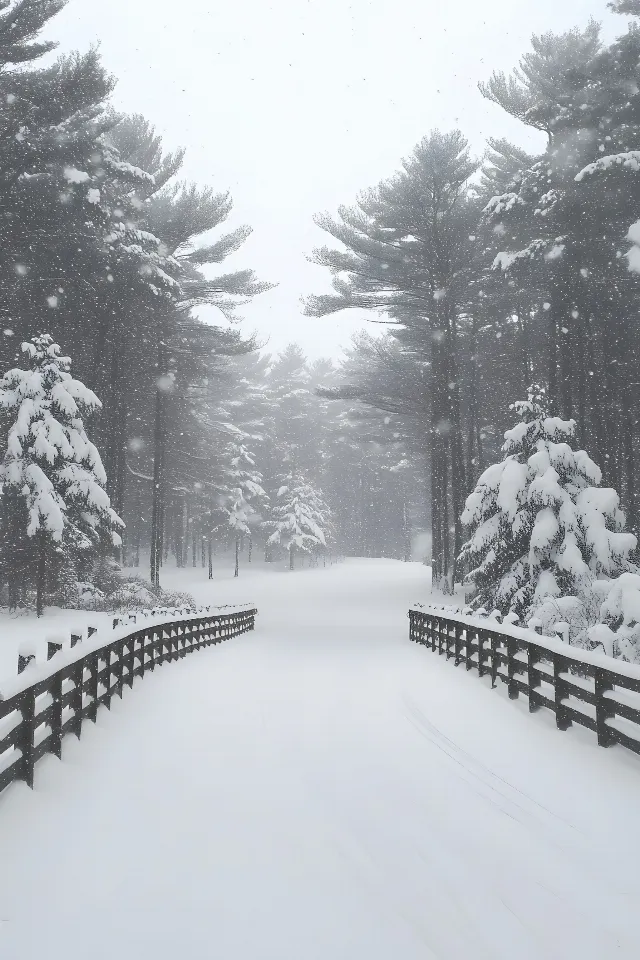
(506,271)
(204,441)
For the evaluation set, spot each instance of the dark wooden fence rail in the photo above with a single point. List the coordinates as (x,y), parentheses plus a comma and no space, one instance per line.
(35,720)
(575,685)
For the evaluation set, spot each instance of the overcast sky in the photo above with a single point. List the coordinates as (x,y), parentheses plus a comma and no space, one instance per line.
(296,105)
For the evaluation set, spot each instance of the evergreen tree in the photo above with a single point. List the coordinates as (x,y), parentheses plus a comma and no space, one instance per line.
(541,526)
(245,494)
(408,255)
(300,518)
(52,479)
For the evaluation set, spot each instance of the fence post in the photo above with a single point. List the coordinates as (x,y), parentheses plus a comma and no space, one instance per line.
(468,633)
(128,662)
(140,640)
(56,716)
(440,637)
(52,648)
(77,676)
(481,638)
(24,660)
(560,665)
(456,643)
(604,709)
(532,657)
(495,643)
(107,654)
(92,664)
(26,745)
(512,649)
(56,694)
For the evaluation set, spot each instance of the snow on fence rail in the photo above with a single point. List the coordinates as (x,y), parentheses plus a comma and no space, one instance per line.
(578,686)
(45,702)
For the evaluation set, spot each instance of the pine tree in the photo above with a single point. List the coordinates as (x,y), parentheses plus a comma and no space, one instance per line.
(245,494)
(408,256)
(300,518)
(541,526)
(53,501)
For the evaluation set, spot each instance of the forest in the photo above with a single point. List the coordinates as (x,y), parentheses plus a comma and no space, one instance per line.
(497,410)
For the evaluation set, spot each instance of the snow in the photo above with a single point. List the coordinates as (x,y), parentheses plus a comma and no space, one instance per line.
(72,175)
(629,160)
(322,788)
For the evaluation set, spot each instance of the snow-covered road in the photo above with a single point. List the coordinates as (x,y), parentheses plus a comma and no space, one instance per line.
(322,789)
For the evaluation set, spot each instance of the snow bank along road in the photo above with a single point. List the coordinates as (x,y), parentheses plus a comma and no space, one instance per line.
(322,789)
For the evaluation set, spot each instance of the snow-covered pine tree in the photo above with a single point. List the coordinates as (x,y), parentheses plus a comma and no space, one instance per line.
(53,500)
(300,518)
(541,526)
(245,493)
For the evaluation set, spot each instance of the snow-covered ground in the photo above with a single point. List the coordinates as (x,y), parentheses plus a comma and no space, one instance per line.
(319,789)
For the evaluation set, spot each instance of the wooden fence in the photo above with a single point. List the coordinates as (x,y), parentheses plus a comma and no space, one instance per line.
(34,720)
(575,685)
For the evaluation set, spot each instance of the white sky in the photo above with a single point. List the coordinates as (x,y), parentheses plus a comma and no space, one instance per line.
(296,105)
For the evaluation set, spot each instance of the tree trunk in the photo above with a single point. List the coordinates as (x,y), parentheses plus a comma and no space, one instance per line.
(406,532)
(41,578)
(291,564)
(552,335)
(185,531)
(237,569)
(250,548)
(158,484)
(210,560)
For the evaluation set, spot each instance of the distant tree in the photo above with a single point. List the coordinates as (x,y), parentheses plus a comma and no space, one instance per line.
(299,517)
(245,494)
(409,256)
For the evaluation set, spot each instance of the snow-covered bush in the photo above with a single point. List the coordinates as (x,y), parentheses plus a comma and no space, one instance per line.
(54,505)
(300,518)
(130,594)
(541,527)
(619,628)
(572,617)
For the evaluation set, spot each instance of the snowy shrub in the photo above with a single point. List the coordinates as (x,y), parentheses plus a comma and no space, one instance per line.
(619,628)
(541,527)
(572,616)
(88,595)
(132,594)
(106,574)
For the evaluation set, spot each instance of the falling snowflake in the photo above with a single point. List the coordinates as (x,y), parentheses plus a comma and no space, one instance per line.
(52,302)
(166,383)
(72,175)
